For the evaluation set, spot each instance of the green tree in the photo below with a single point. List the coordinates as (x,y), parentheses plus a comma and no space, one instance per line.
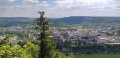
(29,50)
(47,45)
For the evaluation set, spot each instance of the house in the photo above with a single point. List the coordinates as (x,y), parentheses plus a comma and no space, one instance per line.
(1,37)
(12,39)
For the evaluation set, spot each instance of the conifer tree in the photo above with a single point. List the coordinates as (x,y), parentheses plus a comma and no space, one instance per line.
(47,45)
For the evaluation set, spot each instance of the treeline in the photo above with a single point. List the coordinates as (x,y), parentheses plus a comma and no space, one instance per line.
(85,20)
(15,21)
(80,47)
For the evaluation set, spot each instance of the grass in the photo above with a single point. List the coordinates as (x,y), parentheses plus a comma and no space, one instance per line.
(98,56)
(85,29)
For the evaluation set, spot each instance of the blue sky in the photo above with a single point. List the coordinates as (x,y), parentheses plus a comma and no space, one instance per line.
(59,8)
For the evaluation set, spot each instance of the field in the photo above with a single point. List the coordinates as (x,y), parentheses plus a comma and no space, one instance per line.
(98,56)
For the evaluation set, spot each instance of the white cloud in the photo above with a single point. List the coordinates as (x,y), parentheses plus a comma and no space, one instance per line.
(11,0)
(44,2)
(93,2)
(33,1)
(41,5)
(66,8)
(7,0)
(78,3)
(62,8)
(58,14)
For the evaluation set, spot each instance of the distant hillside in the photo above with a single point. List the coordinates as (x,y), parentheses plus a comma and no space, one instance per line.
(83,20)
(89,20)
(13,21)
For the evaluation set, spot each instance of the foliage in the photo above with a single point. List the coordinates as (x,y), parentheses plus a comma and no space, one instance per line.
(59,24)
(81,47)
(28,51)
(5,40)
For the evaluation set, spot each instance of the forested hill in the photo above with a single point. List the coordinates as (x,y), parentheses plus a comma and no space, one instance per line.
(83,20)
(88,20)
(13,21)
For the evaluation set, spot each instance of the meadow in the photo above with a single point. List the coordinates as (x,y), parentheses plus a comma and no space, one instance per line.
(98,56)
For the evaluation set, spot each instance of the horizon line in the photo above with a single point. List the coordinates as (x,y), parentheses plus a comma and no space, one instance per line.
(57,17)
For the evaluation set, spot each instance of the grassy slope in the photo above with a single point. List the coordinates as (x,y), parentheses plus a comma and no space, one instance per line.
(98,56)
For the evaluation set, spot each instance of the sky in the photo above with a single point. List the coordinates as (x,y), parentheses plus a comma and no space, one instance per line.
(59,8)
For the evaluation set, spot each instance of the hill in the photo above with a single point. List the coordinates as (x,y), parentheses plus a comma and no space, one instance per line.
(14,21)
(82,20)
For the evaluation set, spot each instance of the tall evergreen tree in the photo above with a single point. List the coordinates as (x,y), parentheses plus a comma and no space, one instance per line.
(47,46)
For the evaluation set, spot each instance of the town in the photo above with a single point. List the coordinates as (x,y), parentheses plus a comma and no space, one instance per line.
(91,34)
